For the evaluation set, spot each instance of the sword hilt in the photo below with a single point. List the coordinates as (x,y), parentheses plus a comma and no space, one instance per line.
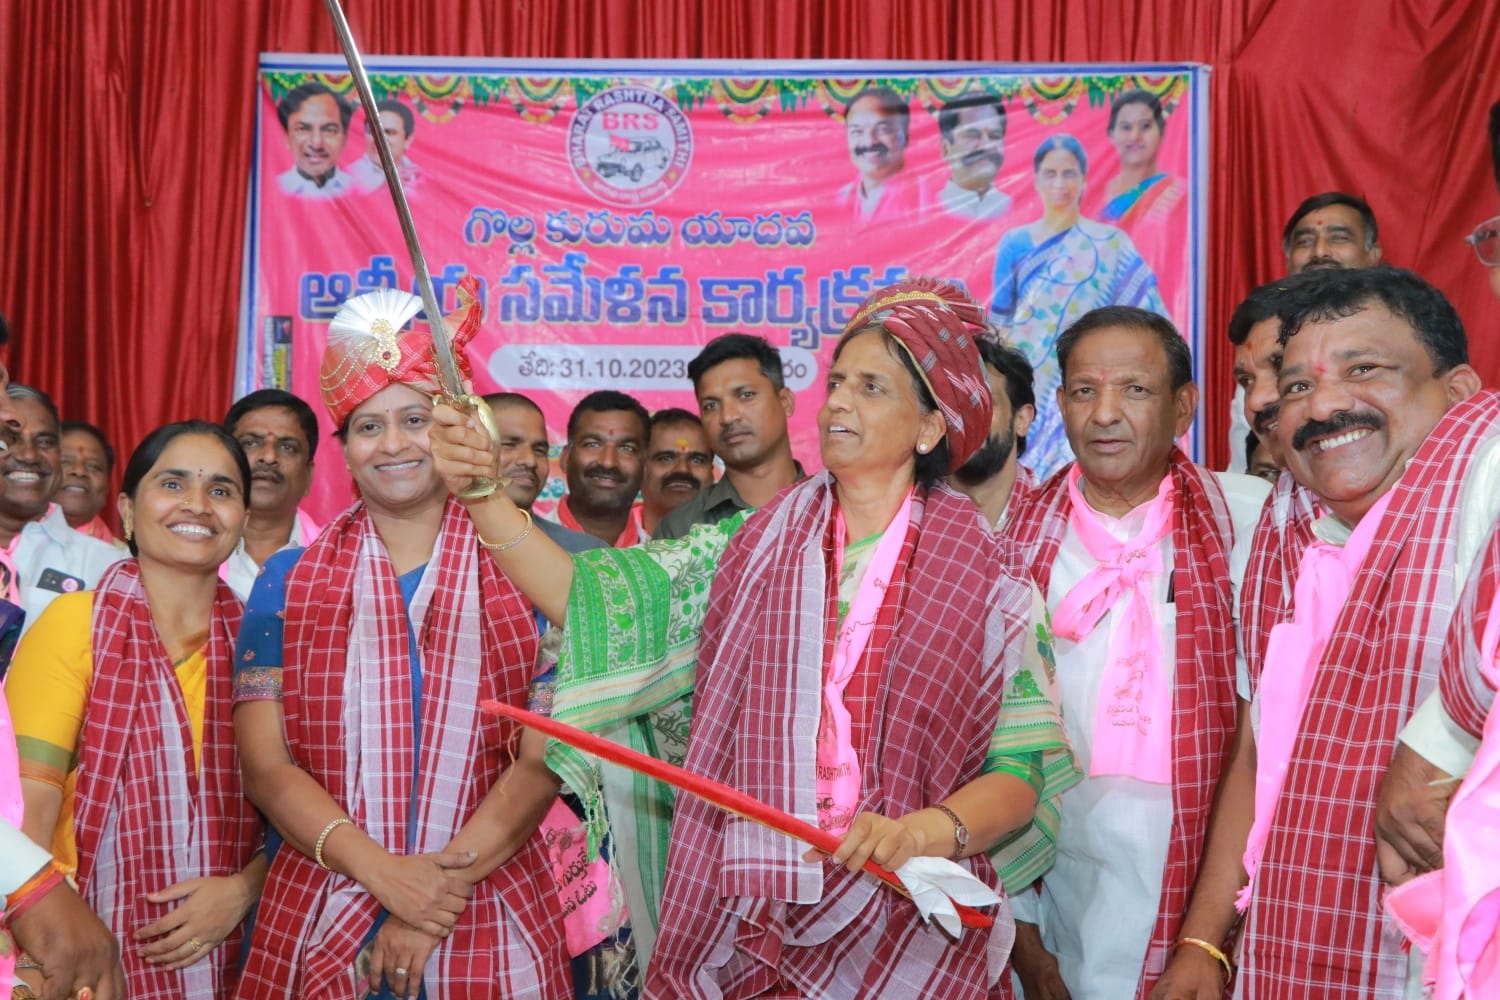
(474,404)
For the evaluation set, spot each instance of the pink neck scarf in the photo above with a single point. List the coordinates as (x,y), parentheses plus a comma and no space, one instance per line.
(10,586)
(10,812)
(1325,576)
(838,767)
(1133,721)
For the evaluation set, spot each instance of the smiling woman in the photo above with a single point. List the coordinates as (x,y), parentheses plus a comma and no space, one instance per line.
(357,681)
(121,704)
(1050,272)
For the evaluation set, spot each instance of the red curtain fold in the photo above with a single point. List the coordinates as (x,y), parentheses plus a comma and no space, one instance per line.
(127,128)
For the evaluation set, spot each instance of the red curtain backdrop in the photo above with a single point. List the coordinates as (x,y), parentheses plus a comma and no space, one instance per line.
(126,129)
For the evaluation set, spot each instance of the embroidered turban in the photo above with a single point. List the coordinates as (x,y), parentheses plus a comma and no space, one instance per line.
(368,349)
(936,323)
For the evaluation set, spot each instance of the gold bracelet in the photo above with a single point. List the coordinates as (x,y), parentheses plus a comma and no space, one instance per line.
(1213,950)
(512,543)
(323,839)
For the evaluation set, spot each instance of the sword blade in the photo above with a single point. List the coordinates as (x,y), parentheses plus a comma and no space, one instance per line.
(730,800)
(447,363)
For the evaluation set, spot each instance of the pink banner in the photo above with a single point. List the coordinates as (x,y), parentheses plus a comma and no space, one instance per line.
(618,218)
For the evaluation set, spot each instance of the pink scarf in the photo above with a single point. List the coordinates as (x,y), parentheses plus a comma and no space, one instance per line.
(1325,577)
(10,812)
(96,528)
(1133,722)
(838,767)
(1453,914)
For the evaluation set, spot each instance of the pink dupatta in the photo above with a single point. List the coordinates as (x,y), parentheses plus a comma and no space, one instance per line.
(1453,914)
(838,766)
(1325,577)
(1133,724)
(10,812)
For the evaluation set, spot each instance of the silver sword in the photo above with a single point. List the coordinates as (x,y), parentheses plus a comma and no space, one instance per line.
(450,379)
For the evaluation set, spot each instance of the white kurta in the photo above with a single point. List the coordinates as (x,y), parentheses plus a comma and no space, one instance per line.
(1098,904)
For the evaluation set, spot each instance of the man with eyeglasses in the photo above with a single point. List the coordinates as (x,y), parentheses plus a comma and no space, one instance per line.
(877,124)
(1437,820)
(1485,239)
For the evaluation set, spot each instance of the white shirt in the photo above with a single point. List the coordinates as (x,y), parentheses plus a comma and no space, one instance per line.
(1238,428)
(296,183)
(369,175)
(52,559)
(240,571)
(1430,732)
(1098,904)
(979,206)
(20,858)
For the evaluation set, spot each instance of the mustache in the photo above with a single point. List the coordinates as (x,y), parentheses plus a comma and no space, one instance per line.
(685,478)
(274,475)
(1263,420)
(729,429)
(1344,420)
(974,156)
(875,147)
(599,471)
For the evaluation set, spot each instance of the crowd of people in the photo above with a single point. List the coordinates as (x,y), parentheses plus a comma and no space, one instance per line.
(1182,729)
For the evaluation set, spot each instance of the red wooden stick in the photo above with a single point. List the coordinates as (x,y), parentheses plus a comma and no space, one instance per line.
(712,792)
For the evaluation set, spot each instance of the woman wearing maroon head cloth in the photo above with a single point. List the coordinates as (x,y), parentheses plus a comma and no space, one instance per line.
(410,865)
(843,653)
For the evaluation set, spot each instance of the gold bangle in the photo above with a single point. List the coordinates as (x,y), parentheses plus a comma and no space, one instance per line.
(323,839)
(1213,950)
(512,543)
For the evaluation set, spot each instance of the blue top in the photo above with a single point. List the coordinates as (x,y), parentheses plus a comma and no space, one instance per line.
(258,652)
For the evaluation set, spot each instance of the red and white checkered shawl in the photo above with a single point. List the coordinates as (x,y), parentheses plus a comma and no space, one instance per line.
(1021,492)
(347,695)
(741,910)
(1283,532)
(1203,692)
(1315,925)
(145,816)
(1467,694)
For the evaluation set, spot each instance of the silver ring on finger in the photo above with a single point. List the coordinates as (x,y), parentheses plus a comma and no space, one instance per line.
(399,971)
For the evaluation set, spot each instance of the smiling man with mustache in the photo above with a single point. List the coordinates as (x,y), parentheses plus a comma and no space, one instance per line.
(679,464)
(1345,607)
(279,434)
(877,126)
(604,461)
(40,556)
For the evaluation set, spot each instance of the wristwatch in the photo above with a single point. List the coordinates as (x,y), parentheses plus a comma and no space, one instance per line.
(960,832)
